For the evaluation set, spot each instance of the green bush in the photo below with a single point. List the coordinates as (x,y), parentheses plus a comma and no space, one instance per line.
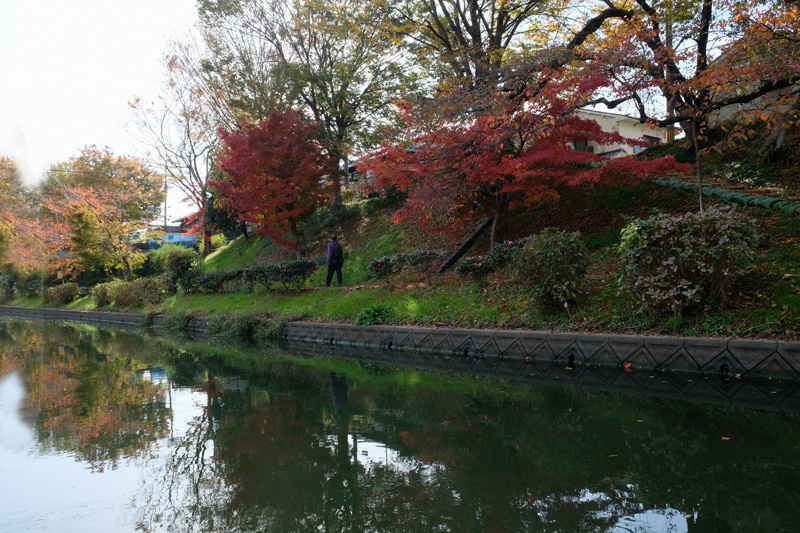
(294,273)
(248,326)
(218,281)
(7,284)
(477,267)
(552,265)
(178,261)
(191,282)
(373,315)
(385,268)
(422,261)
(63,294)
(670,263)
(30,285)
(502,254)
(289,273)
(133,294)
(218,241)
(265,275)
(100,295)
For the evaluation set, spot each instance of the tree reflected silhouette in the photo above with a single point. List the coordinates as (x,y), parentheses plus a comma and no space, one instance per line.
(258,440)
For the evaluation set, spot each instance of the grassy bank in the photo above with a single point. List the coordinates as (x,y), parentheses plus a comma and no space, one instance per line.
(764,304)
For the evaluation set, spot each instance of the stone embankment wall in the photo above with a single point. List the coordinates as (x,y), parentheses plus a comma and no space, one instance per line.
(742,358)
(516,349)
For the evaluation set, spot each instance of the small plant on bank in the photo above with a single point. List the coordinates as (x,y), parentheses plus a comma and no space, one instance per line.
(373,315)
(63,294)
(6,288)
(30,285)
(423,262)
(294,273)
(132,294)
(385,268)
(500,256)
(552,265)
(670,263)
(100,295)
(503,254)
(247,326)
(476,267)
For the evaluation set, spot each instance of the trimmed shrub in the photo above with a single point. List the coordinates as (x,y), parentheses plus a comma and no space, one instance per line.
(218,281)
(373,315)
(30,286)
(289,273)
(265,275)
(190,281)
(178,261)
(151,290)
(294,273)
(136,293)
(422,261)
(670,263)
(100,295)
(552,265)
(502,254)
(63,294)
(385,268)
(477,267)
(218,241)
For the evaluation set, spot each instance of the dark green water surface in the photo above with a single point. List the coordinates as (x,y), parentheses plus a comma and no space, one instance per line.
(104,430)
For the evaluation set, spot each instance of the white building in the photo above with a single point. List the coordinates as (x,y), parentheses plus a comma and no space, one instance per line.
(626,126)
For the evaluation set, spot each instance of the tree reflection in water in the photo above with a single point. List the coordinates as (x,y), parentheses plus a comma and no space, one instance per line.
(254,441)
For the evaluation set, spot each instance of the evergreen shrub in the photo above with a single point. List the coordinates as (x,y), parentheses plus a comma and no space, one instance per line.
(63,294)
(373,315)
(136,293)
(552,265)
(422,261)
(477,267)
(671,263)
(500,256)
(178,261)
(385,268)
(100,295)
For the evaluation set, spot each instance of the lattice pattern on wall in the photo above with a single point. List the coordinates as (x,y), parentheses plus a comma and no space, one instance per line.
(771,395)
(518,349)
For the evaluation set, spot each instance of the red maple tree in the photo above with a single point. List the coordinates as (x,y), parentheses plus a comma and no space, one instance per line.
(278,174)
(457,174)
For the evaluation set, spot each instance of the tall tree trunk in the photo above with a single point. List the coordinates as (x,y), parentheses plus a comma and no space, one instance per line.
(206,250)
(693,128)
(778,136)
(497,219)
(299,239)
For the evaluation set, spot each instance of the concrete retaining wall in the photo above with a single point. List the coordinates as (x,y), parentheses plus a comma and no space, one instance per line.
(746,358)
(518,349)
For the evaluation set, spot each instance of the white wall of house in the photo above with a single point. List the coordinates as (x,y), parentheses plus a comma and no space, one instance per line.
(626,126)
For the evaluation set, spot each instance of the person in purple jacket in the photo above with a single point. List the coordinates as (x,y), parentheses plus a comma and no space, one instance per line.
(335,261)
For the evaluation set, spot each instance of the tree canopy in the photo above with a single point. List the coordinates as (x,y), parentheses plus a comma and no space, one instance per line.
(278,173)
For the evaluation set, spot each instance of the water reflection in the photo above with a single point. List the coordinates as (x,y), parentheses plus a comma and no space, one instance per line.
(237,440)
(15,431)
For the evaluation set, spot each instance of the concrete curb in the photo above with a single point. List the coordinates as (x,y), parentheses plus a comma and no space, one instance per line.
(756,359)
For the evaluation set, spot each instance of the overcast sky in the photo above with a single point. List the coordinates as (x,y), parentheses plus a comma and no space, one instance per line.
(69,68)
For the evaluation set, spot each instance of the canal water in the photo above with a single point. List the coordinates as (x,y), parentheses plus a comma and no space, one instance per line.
(124,431)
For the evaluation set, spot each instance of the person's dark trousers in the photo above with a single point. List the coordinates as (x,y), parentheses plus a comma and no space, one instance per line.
(331,270)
